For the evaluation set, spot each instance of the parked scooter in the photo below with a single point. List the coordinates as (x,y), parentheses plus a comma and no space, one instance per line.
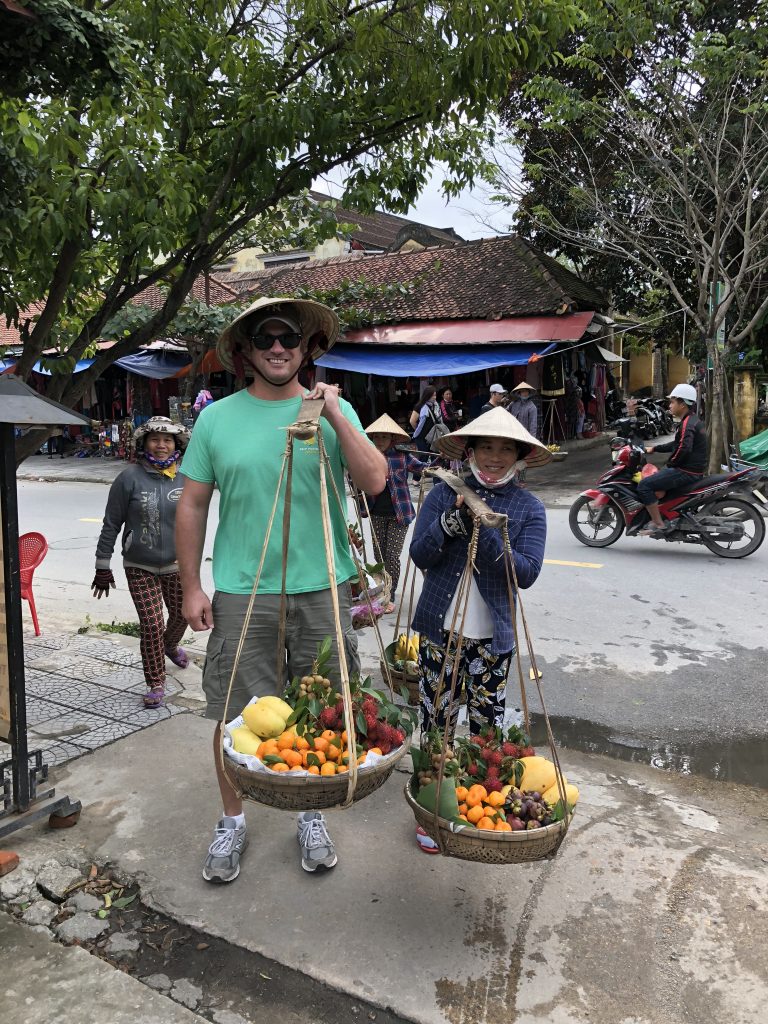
(716,511)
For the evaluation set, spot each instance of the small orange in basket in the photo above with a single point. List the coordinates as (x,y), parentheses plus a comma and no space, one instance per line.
(475,796)
(461,793)
(474,814)
(463,808)
(503,826)
(341,768)
(267,747)
(344,736)
(329,735)
(301,744)
(279,766)
(376,750)
(313,757)
(333,753)
(464,817)
(329,768)
(486,823)
(313,769)
(292,758)
(495,800)
(285,740)
(320,744)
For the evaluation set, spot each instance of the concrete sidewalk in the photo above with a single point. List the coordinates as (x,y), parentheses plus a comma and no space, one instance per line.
(653,912)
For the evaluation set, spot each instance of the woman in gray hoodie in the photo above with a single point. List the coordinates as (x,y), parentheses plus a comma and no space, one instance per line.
(142,502)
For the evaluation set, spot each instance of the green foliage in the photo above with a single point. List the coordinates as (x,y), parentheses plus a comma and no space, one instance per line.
(226,113)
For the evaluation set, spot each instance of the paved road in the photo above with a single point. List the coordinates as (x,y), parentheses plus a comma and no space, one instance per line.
(644,646)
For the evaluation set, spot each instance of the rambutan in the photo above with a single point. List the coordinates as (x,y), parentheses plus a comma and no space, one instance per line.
(328,718)
(510,750)
(527,752)
(385,747)
(370,720)
(399,737)
(493,785)
(492,757)
(492,772)
(472,770)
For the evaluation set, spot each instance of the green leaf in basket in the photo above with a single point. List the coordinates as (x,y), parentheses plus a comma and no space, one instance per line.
(315,707)
(421,759)
(313,759)
(372,570)
(449,805)
(405,693)
(360,724)
(369,690)
(298,711)
(271,759)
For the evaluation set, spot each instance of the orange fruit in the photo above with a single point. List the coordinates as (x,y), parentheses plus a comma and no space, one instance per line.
(341,768)
(495,799)
(329,768)
(301,744)
(267,747)
(313,769)
(285,740)
(320,744)
(486,823)
(463,808)
(292,758)
(279,766)
(376,750)
(461,793)
(312,757)
(333,753)
(329,735)
(464,817)
(475,796)
(474,814)
(503,826)
(344,736)
(478,791)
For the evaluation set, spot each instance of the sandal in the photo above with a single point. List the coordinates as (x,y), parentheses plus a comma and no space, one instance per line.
(178,657)
(154,697)
(426,843)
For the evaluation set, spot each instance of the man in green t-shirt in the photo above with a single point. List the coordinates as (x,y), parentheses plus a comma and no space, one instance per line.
(237,445)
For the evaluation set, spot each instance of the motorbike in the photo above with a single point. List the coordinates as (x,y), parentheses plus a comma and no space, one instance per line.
(716,511)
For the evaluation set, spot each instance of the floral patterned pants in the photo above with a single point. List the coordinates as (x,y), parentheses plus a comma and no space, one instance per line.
(148,591)
(390,536)
(483,675)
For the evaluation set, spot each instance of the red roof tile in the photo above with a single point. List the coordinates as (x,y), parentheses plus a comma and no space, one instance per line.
(379,230)
(215,293)
(485,279)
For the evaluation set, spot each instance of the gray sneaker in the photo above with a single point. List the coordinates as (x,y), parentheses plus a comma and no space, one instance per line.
(223,861)
(317,849)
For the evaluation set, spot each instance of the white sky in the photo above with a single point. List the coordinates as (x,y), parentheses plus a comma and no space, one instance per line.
(433,210)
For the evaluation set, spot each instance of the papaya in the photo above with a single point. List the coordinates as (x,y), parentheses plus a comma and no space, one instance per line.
(244,741)
(262,720)
(538,774)
(552,795)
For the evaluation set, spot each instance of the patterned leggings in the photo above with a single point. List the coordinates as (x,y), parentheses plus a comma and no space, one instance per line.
(148,591)
(482,674)
(391,537)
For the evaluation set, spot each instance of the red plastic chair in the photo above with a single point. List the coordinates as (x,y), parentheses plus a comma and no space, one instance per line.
(33,547)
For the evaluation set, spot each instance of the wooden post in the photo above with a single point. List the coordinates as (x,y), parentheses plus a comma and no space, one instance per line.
(745,399)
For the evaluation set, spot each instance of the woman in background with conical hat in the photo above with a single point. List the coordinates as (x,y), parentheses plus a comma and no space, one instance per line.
(392,511)
(494,443)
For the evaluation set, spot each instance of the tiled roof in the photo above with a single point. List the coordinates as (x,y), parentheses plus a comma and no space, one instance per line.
(217,294)
(378,230)
(10,335)
(488,279)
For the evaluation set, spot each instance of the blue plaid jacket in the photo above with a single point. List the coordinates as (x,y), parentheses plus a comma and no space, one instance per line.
(400,464)
(443,560)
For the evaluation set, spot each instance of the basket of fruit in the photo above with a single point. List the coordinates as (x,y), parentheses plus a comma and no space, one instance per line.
(558,455)
(402,659)
(295,753)
(496,802)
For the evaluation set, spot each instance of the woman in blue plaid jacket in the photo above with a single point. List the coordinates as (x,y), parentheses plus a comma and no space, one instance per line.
(497,447)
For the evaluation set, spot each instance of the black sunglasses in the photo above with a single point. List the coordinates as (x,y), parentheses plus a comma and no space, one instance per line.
(264,342)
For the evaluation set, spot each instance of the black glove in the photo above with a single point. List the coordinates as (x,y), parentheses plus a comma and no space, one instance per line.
(457,522)
(102,582)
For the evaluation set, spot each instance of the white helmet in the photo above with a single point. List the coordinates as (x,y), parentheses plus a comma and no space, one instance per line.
(686,392)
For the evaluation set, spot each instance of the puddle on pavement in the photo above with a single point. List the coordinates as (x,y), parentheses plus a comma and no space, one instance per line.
(742,760)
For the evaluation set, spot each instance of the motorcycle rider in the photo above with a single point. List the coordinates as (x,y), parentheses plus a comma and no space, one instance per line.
(688,461)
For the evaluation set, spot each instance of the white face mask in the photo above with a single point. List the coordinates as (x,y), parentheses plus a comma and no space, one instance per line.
(485,481)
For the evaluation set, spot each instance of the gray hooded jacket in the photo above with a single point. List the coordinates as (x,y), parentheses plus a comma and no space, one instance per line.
(143,501)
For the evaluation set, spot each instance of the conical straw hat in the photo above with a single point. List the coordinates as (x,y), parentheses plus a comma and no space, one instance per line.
(524,386)
(319,325)
(386,425)
(496,423)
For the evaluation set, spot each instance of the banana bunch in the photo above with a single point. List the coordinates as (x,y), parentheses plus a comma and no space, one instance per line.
(407,650)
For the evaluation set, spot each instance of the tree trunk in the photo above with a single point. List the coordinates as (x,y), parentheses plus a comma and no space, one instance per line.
(27,445)
(718,423)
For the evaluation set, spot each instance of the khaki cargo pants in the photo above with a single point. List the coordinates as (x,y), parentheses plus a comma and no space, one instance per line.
(309,619)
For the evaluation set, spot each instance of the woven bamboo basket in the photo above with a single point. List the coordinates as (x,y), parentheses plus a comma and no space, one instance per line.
(312,792)
(399,677)
(489,847)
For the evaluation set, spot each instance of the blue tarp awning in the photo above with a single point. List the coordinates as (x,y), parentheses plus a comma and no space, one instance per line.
(428,360)
(157,365)
(80,365)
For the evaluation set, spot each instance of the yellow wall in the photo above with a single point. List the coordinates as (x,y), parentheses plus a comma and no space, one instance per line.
(641,371)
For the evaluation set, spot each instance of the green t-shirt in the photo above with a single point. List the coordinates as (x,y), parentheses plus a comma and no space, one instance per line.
(238,444)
